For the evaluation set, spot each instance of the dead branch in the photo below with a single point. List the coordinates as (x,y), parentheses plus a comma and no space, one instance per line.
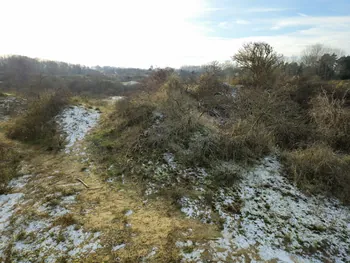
(78,179)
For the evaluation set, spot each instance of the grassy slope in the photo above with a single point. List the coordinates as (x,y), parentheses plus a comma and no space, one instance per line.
(155,222)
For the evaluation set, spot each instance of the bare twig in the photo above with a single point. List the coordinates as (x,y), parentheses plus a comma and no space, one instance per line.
(78,179)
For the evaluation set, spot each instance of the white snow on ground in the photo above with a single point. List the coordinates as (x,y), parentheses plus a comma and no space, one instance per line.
(52,243)
(194,209)
(70,199)
(36,237)
(19,182)
(267,218)
(55,211)
(169,159)
(7,208)
(189,253)
(76,121)
(151,254)
(130,83)
(129,213)
(116,248)
(115,98)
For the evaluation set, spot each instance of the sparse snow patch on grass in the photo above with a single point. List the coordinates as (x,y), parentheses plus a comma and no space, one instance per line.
(116,248)
(281,222)
(76,121)
(56,242)
(8,205)
(19,182)
(169,159)
(55,211)
(7,208)
(70,199)
(188,252)
(194,209)
(130,83)
(267,218)
(128,213)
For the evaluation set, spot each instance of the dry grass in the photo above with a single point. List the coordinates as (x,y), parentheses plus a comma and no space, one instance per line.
(66,220)
(36,125)
(9,160)
(152,224)
(332,120)
(247,140)
(319,169)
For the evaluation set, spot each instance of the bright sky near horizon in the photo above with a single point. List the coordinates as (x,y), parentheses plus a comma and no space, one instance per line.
(141,33)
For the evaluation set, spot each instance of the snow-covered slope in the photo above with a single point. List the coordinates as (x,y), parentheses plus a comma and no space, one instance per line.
(75,122)
(266,218)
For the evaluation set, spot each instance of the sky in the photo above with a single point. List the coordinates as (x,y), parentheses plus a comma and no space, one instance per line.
(141,33)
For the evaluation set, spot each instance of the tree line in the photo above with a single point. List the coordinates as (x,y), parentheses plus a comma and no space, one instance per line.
(325,62)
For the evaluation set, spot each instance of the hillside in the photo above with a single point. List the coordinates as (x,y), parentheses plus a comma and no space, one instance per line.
(225,165)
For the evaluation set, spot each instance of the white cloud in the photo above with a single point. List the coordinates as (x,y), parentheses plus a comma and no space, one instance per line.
(302,14)
(265,10)
(223,24)
(324,21)
(137,33)
(242,22)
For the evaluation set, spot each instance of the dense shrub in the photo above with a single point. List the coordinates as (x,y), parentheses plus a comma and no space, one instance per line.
(290,117)
(37,125)
(169,119)
(275,109)
(246,141)
(293,117)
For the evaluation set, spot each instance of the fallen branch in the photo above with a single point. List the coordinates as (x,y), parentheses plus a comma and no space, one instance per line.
(78,179)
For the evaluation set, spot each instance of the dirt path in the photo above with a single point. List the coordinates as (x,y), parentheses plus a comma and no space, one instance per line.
(61,209)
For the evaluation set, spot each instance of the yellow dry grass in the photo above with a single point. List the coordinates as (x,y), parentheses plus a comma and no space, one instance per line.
(155,223)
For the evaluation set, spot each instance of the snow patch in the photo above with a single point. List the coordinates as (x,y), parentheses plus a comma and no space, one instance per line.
(116,248)
(70,199)
(8,208)
(55,211)
(19,182)
(130,83)
(8,205)
(75,122)
(194,209)
(280,221)
(129,213)
(55,243)
(169,158)
(190,254)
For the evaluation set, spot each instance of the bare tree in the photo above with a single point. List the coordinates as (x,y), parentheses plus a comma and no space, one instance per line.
(312,54)
(260,59)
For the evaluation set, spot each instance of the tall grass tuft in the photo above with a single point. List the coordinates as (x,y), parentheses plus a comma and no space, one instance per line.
(37,124)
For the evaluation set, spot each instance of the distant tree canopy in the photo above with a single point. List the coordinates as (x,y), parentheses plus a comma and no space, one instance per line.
(326,66)
(312,54)
(343,67)
(25,66)
(260,59)
(32,76)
